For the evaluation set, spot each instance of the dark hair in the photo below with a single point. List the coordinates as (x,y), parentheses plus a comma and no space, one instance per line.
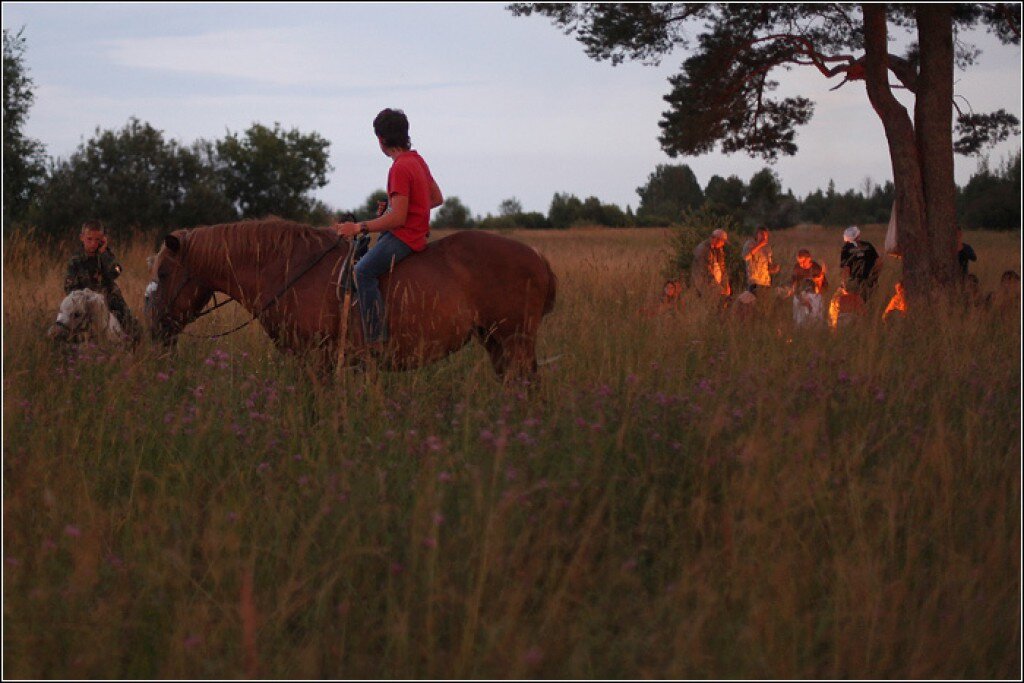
(392,127)
(760,228)
(1010,276)
(803,252)
(92,225)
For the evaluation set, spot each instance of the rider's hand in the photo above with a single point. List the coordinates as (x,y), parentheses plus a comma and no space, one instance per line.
(346,229)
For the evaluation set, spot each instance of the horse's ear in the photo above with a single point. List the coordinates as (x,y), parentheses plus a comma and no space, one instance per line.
(172,243)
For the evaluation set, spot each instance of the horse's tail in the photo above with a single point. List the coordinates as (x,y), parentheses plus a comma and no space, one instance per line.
(549,297)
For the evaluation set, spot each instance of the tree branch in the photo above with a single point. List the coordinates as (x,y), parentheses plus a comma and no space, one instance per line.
(853,68)
(1005,14)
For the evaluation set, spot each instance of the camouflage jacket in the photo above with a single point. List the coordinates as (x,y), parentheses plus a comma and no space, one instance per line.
(96,272)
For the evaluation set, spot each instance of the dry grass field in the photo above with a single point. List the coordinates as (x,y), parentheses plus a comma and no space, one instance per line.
(685,496)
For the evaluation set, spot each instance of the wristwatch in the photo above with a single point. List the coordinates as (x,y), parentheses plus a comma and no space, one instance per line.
(363,229)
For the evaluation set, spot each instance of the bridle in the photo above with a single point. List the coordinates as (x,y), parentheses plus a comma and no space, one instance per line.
(192,317)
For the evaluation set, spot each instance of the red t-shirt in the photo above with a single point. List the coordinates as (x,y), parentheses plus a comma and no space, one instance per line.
(409,176)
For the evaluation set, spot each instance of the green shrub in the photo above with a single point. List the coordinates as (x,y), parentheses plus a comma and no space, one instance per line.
(697,226)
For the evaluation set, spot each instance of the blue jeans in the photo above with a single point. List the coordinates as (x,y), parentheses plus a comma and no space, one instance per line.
(388,251)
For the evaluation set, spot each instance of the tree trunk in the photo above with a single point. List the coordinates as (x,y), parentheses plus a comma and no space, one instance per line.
(903,153)
(933,118)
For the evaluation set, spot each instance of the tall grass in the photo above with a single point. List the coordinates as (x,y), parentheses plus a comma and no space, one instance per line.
(693,495)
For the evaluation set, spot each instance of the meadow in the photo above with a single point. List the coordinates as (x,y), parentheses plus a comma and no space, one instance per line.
(685,496)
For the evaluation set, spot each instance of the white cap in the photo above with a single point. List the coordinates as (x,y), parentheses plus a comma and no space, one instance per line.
(851,233)
(721,234)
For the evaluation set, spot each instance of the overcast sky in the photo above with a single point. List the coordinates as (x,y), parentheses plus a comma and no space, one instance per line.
(500,106)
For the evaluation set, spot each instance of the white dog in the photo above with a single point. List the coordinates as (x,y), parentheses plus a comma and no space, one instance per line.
(807,305)
(84,313)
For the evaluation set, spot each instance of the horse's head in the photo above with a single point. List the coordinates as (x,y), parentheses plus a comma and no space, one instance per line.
(174,296)
(80,311)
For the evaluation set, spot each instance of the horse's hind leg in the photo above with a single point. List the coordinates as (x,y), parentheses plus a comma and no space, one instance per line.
(513,354)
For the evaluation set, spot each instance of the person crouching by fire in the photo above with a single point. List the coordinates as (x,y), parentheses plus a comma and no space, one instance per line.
(846,306)
(897,307)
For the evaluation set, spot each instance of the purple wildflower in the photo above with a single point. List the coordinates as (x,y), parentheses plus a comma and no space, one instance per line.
(533,656)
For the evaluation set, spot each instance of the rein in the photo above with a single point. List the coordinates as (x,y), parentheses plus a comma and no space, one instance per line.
(263,309)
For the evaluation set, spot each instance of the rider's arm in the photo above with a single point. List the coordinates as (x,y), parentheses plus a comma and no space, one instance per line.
(109,264)
(392,219)
(436,198)
(395,218)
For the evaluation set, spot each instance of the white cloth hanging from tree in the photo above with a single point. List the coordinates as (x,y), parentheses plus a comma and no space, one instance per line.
(892,244)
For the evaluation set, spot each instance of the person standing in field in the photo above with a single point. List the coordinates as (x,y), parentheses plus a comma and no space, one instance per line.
(404,227)
(757,254)
(964,253)
(708,275)
(859,263)
(96,268)
(807,268)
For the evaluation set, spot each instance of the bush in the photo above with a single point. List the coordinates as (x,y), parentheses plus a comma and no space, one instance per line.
(531,220)
(453,215)
(501,223)
(697,226)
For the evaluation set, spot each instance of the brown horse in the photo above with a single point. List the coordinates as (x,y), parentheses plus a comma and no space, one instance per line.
(467,285)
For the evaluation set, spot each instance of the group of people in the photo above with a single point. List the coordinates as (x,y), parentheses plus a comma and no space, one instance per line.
(860,267)
(808,281)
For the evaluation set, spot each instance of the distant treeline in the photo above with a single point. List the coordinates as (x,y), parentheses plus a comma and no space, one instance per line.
(136,180)
(990,200)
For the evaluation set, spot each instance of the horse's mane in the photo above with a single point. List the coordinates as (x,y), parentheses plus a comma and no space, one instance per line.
(214,248)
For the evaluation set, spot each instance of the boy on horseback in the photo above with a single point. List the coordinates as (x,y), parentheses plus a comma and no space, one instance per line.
(412,193)
(96,268)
